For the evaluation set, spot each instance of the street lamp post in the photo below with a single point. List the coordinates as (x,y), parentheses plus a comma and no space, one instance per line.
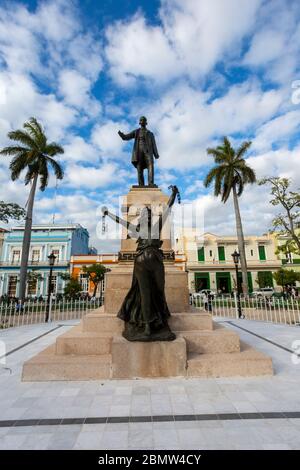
(51,259)
(236,256)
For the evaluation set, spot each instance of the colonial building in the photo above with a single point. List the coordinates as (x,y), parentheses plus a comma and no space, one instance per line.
(2,234)
(288,259)
(62,240)
(210,264)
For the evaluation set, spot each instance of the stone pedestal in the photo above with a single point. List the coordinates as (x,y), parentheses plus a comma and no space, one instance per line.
(119,280)
(156,359)
(96,350)
(132,204)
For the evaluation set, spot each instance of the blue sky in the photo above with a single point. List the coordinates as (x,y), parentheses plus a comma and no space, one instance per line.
(197,69)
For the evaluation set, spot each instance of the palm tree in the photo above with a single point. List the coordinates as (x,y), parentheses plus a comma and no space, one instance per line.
(33,154)
(231,174)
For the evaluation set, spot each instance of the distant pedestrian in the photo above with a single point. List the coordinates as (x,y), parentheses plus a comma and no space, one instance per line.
(209,302)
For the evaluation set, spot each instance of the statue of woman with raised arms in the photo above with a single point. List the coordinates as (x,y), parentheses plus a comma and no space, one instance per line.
(144,309)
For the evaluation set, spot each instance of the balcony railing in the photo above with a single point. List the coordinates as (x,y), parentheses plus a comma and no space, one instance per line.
(230,264)
(34,263)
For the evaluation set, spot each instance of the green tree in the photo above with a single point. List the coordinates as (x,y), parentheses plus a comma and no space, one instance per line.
(284,277)
(72,288)
(10,210)
(95,274)
(34,154)
(230,175)
(285,223)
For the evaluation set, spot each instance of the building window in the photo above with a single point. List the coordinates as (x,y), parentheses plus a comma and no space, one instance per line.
(201,255)
(251,252)
(210,253)
(32,287)
(12,286)
(35,256)
(288,257)
(262,253)
(84,282)
(221,253)
(16,254)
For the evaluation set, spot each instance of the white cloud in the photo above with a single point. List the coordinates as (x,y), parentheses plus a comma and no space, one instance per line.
(105,137)
(274,45)
(282,162)
(79,150)
(47,46)
(192,38)
(76,91)
(277,130)
(91,177)
(187,121)
(266,46)
(135,49)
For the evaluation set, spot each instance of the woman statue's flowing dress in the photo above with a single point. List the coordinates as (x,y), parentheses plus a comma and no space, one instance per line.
(144,309)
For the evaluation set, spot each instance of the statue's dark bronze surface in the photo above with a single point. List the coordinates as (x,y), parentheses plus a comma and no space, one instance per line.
(144,309)
(144,151)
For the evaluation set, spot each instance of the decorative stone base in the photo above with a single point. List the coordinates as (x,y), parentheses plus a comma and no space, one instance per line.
(96,350)
(155,359)
(119,280)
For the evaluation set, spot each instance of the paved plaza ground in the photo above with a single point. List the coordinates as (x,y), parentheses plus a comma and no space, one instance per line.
(229,413)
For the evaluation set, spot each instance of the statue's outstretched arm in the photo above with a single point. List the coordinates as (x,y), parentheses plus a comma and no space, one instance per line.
(129,136)
(130,227)
(167,210)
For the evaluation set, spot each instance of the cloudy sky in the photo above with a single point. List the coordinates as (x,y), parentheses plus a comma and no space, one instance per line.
(198,69)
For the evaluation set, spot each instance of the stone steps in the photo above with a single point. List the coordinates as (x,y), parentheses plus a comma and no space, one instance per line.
(246,363)
(81,342)
(105,322)
(84,343)
(96,350)
(48,366)
(219,340)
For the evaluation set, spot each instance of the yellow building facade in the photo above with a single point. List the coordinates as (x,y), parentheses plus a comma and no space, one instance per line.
(210,264)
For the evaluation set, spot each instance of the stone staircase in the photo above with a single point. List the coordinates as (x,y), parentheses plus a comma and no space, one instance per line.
(95,349)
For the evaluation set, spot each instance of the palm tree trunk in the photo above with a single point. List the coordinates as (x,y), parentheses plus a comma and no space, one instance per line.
(241,242)
(26,241)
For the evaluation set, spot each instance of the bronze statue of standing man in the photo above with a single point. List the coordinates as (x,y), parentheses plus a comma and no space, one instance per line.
(144,151)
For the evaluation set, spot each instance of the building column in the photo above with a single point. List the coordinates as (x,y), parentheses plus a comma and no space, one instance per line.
(191,281)
(213,281)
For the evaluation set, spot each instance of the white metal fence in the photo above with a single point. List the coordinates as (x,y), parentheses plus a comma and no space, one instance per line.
(35,311)
(275,310)
(267,309)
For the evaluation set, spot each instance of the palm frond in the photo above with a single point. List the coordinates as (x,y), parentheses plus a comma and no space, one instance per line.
(248,174)
(59,173)
(35,130)
(44,174)
(211,176)
(242,149)
(12,150)
(18,164)
(217,153)
(23,137)
(53,149)
(228,182)
(31,173)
